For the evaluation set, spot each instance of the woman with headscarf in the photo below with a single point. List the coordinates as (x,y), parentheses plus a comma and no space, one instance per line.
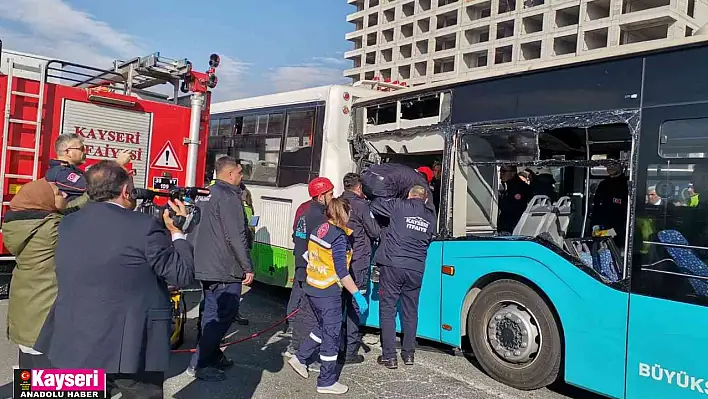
(30,230)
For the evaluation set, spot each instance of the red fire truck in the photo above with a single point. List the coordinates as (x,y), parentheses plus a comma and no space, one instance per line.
(112,109)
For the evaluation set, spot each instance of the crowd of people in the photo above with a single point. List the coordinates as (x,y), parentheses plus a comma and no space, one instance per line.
(90,286)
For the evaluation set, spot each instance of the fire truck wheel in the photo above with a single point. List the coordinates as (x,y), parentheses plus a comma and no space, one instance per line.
(515,336)
(179,319)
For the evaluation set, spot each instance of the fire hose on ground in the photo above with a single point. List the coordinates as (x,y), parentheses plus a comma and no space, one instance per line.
(243,339)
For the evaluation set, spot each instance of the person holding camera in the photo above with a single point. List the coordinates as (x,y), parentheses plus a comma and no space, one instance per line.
(223,258)
(113,265)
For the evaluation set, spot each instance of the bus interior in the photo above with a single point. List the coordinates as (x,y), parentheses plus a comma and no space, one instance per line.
(564,166)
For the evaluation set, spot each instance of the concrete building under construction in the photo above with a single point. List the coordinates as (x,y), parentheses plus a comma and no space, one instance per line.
(423,41)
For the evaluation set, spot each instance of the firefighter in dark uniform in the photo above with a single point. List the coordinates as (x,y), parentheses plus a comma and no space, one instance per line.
(609,206)
(512,200)
(393,180)
(308,216)
(64,171)
(401,261)
(364,231)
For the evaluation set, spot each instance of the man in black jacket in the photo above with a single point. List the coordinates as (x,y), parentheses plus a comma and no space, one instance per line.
(113,309)
(365,229)
(223,264)
(401,261)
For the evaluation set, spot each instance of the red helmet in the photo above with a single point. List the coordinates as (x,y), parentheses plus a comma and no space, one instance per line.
(319,186)
(427,172)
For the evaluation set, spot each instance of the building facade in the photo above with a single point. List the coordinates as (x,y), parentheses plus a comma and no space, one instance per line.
(423,41)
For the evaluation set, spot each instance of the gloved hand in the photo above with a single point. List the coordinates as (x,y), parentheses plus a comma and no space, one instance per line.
(361,302)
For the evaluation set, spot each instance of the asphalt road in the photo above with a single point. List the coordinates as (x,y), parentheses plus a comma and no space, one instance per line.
(261,371)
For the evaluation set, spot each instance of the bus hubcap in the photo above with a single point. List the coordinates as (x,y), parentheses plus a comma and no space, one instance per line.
(513,334)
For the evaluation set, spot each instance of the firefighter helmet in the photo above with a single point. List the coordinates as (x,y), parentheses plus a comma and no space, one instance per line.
(319,186)
(426,172)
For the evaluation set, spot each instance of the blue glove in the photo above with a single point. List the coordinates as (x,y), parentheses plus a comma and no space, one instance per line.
(361,302)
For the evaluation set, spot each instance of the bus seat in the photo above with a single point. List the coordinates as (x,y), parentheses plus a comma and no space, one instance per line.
(686,259)
(556,223)
(599,258)
(534,219)
(607,265)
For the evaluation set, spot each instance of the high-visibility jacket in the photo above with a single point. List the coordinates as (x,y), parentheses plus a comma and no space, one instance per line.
(322,273)
(693,200)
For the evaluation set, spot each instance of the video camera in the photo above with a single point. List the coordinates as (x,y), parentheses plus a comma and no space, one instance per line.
(184,194)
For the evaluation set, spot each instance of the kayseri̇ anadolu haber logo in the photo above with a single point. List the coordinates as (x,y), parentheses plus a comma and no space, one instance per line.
(49,383)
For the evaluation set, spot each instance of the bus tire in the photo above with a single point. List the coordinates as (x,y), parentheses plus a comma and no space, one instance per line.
(515,336)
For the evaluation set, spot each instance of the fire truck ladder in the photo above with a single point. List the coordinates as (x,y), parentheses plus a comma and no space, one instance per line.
(143,73)
(10,123)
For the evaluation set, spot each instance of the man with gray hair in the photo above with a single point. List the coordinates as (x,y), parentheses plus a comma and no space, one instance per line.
(64,171)
(401,260)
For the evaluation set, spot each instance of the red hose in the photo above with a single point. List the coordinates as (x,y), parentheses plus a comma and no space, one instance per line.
(244,339)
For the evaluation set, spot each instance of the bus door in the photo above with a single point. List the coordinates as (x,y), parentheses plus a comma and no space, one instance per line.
(668,310)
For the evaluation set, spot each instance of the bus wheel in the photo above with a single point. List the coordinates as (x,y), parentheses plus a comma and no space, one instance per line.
(514,335)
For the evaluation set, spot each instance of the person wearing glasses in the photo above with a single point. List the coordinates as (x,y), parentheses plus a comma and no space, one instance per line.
(64,170)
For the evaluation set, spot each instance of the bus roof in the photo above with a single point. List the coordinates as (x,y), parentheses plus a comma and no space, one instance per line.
(628,50)
(320,93)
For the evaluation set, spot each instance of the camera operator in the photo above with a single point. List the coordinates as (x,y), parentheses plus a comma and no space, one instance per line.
(113,310)
(223,259)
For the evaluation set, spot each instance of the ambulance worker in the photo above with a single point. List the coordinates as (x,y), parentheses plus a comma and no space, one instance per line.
(513,199)
(64,172)
(393,180)
(308,216)
(364,231)
(329,254)
(401,262)
(609,210)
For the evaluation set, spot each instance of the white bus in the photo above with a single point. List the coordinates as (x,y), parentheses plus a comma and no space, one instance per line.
(285,140)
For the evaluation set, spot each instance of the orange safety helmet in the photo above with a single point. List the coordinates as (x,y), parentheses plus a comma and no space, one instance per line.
(319,186)
(427,172)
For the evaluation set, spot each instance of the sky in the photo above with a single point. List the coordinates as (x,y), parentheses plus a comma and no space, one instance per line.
(266,46)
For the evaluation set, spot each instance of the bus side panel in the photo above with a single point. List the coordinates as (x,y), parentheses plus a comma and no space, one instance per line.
(429,306)
(593,316)
(665,356)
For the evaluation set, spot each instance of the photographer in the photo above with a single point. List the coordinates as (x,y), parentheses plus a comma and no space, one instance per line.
(223,259)
(113,310)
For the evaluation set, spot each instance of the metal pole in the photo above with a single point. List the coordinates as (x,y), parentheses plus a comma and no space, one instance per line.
(193,142)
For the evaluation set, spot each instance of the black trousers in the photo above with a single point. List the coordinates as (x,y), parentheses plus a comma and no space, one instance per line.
(145,385)
(352,336)
(396,285)
(28,361)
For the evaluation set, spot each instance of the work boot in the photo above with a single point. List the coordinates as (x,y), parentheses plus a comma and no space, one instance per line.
(299,368)
(224,363)
(209,374)
(336,389)
(241,320)
(388,363)
(351,359)
(408,359)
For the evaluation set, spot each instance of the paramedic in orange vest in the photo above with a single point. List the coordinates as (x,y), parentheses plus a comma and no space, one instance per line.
(329,253)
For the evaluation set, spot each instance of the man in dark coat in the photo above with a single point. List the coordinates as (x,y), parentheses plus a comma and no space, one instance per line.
(223,266)
(364,231)
(113,265)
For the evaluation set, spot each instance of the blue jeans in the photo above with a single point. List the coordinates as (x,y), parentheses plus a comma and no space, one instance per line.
(325,337)
(221,303)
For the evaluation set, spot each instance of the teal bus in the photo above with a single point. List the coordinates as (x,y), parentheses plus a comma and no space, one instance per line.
(623,316)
